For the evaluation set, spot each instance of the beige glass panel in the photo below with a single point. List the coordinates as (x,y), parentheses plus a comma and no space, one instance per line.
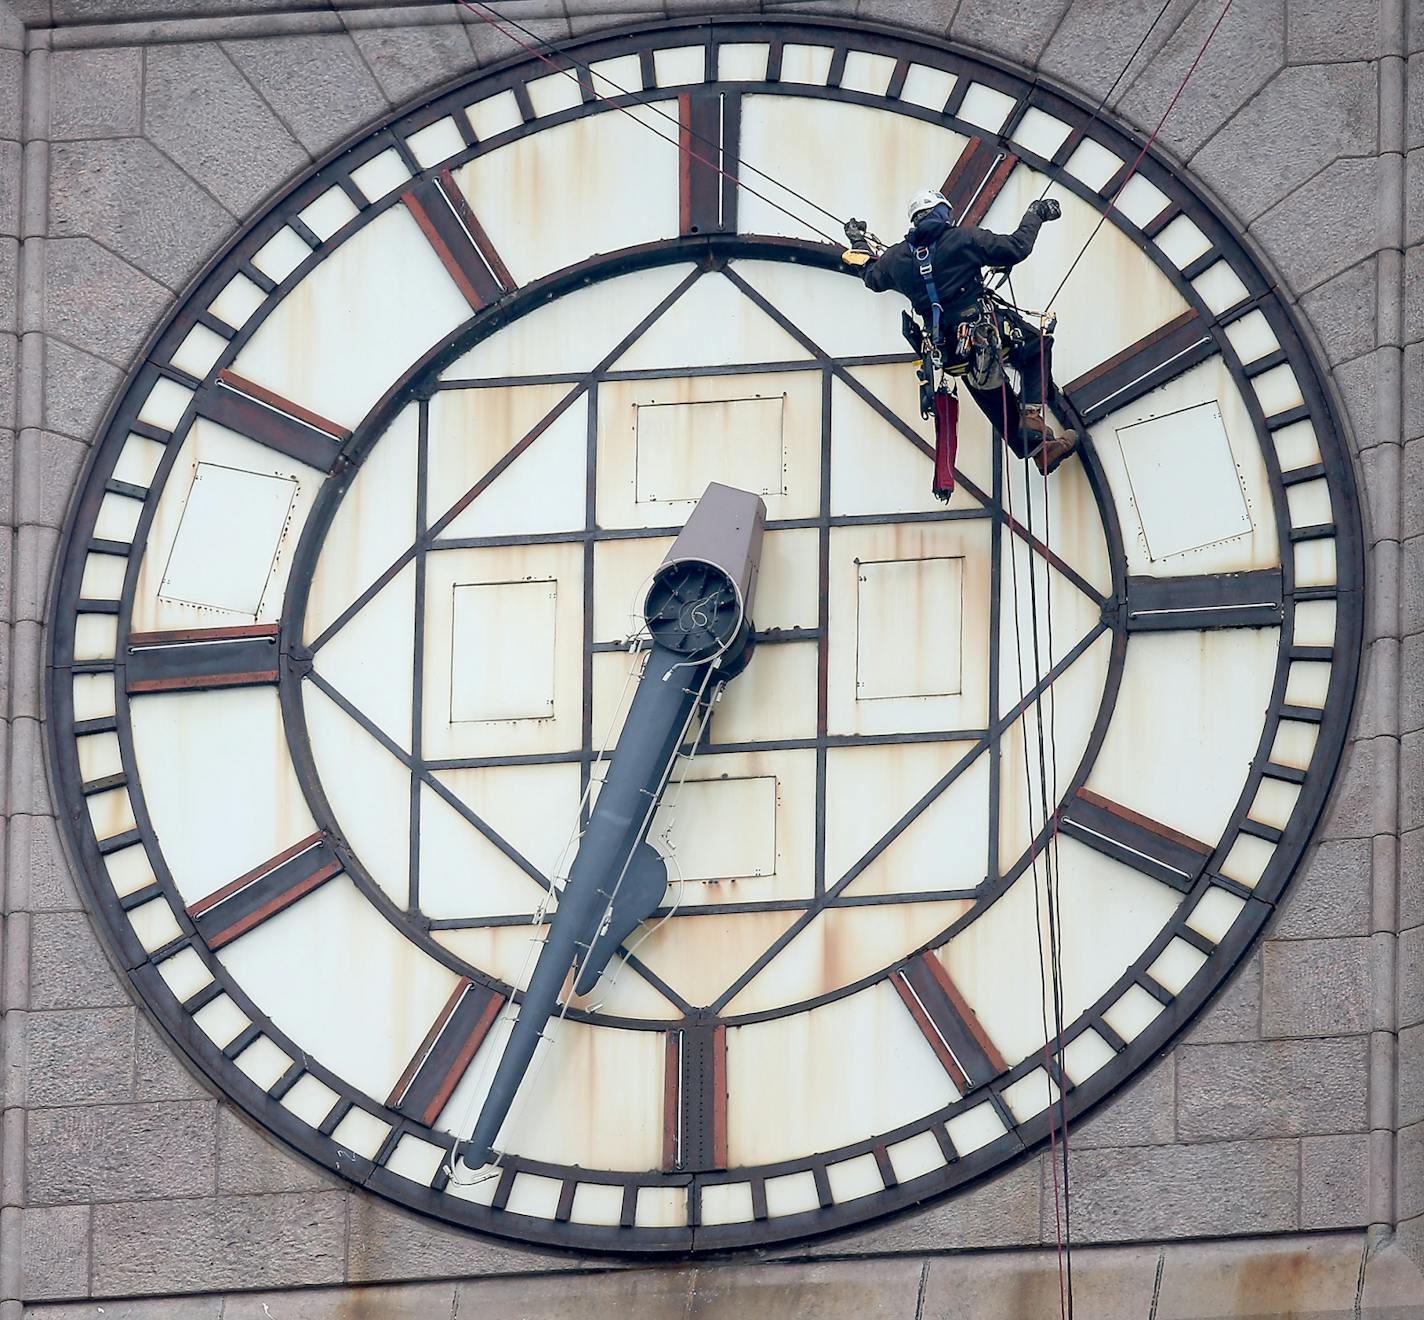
(185,973)
(621,402)
(868,790)
(281,254)
(166,403)
(373,525)
(773,698)
(592,1097)
(98,756)
(1109,915)
(1113,297)
(129,870)
(343,984)
(416,1160)
(1215,913)
(855,1177)
(541,491)
(310,1100)
(362,1132)
(1315,563)
(93,696)
(506,953)
(791,1194)
(1294,744)
(1220,287)
(985,107)
(842,945)
(586,324)
(916,1156)
(851,548)
(622,573)
(593,165)
(371,661)
(502,651)
(680,447)
(463,874)
(221,1021)
(928,87)
(1085,1055)
(1182,242)
(1133,1013)
(1030,1095)
(700,952)
(806,64)
(898,389)
(788,586)
(207,447)
(110,813)
(317,347)
(238,300)
(1314,623)
(561,565)
(834,312)
(198,351)
(1297,445)
(138,460)
(598,1203)
(1274,803)
(805,143)
(1175,966)
(930,591)
(1183,506)
(219,785)
(622,74)
(494,115)
(742,61)
(712,324)
(1179,486)
(726,1203)
(328,213)
(118,517)
(1247,861)
(853,1067)
(1180,743)
(945,847)
(774,806)
(154,924)
(876,469)
(227,540)
(865,72)
(1064,515)
(661,1207)
(1069,709)
(472,430)
(95,636)
(1252,337)
(718,829)
(382,173)
(680,64)
(532,807)
(368,790)
(264,1062)
(1041,133)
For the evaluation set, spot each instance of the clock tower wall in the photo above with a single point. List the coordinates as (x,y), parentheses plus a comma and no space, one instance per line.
(1270,1157)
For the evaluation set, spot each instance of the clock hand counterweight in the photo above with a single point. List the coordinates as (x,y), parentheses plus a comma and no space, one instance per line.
(698,612)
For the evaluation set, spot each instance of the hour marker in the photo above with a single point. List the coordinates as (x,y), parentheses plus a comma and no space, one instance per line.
(1138,841)
(695,1099)
(198,659)
(459,239)
(1213,600)
(1152,361)
(708,136)
(247,408)
(955,1034)
(976,179)
(264,891)
(425,1087)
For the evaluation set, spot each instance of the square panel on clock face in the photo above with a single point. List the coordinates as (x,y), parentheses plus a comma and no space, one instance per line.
(909,627)
(662,440)
(502,667)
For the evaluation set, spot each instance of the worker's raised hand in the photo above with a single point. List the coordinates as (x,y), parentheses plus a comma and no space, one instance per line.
(1045,208)
(860,253)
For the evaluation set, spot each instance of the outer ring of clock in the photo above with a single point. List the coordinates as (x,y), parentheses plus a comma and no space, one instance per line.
(67,607)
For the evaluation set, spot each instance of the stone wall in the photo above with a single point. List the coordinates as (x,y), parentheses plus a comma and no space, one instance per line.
(137,135)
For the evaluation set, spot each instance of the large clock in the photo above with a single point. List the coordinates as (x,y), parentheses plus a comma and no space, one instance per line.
(348,619)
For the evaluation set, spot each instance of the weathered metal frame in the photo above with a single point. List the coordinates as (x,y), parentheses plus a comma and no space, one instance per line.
(66,605)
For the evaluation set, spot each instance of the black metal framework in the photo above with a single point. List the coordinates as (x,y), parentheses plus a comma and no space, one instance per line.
(1135,605)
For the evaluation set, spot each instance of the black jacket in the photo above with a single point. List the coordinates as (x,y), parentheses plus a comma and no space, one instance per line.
(957,256)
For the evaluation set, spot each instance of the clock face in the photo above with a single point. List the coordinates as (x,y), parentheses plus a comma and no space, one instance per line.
(341,644)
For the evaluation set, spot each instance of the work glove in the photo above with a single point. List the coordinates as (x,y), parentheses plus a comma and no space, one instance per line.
(1045,208)
(859,254)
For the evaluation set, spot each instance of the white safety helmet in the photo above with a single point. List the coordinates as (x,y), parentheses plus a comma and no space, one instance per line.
(926,200)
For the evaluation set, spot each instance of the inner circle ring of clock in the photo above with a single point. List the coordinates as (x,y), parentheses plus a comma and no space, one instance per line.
(497,509)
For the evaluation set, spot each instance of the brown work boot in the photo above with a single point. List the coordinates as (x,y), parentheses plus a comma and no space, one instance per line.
(1048,450)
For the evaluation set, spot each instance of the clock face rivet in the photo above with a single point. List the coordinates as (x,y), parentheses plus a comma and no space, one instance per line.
(349,623)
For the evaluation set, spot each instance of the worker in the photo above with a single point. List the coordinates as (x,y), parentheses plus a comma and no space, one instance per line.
(939,268)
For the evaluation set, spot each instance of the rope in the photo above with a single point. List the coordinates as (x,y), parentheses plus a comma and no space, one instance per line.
(1146,147)
(476,6)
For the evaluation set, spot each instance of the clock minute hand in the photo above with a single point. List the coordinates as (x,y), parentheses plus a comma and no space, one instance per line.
(698,611)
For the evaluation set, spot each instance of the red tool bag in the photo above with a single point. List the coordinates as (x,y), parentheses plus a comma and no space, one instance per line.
(946,419)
